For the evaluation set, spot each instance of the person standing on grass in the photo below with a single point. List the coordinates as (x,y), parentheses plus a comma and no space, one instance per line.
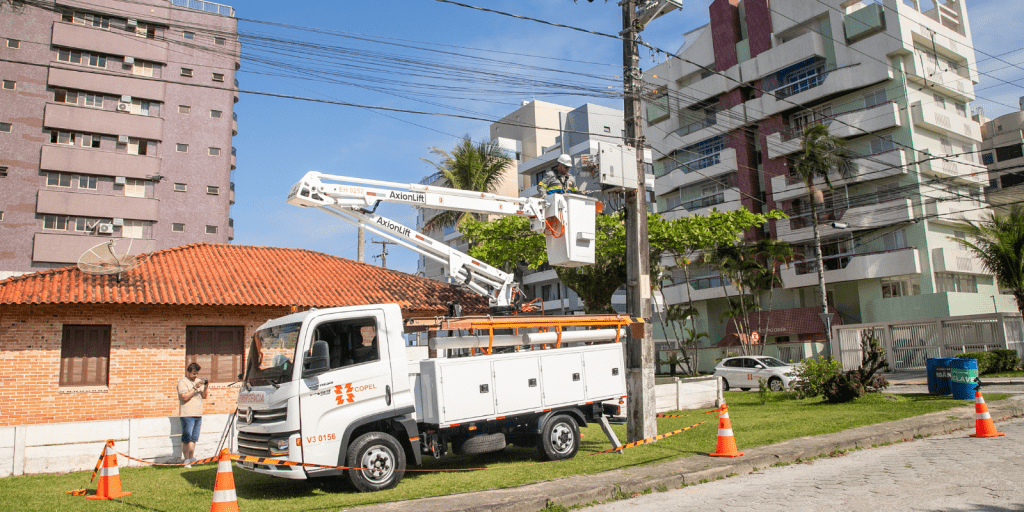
(191,393)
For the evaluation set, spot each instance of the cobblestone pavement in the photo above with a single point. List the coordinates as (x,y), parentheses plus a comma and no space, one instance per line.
(941,473)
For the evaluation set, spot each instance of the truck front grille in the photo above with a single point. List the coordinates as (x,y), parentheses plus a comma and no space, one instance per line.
(267,416)
(254,444)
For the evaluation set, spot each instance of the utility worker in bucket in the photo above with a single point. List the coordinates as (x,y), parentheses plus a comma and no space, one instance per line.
(559,181)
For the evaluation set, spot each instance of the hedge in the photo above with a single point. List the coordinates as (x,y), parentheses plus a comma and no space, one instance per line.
(995,361)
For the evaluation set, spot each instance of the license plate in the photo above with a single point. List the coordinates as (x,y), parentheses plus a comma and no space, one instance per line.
(247,465)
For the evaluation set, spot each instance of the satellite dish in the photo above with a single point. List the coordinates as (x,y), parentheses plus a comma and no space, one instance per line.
(115,256)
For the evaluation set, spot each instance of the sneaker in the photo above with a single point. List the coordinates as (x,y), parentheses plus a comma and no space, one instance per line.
(188,463)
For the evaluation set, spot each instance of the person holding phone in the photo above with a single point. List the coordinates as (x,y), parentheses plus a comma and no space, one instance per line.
(191,393)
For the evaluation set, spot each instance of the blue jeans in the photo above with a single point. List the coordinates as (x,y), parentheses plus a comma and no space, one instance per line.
(190,428)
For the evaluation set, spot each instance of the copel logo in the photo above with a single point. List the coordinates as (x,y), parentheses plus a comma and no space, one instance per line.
(346,394)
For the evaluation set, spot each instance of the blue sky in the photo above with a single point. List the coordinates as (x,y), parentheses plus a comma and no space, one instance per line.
(280,139)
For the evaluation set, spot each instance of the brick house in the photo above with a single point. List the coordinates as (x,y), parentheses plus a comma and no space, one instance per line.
(78,347)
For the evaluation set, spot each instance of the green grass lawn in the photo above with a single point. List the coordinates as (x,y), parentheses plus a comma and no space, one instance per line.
(175,489)
(1017,373)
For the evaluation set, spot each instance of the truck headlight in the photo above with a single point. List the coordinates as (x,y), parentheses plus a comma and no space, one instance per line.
(279,446)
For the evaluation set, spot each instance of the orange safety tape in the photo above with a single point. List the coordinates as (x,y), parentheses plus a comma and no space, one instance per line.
(718,410)
(151,463)
(649,439)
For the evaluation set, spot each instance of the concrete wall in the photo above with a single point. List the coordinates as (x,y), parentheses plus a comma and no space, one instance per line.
(684,394)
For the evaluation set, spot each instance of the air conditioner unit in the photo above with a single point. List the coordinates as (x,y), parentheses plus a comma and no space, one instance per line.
(126,98)
(105,228)
(119,222)
(123,107)
(133,22)
(129,60)
(120,180)
(122,139)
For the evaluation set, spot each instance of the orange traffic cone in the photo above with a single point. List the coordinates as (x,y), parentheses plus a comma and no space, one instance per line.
(224,499)
(109,486)
(726,442)
(982,419)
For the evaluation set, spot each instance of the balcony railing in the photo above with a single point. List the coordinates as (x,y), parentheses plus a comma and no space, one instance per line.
(234,115)
(432,178)
(797,79)
(704,283)
(202,5)
(697,126)
(837,262)
(704,202)
(232,151)
(696,164)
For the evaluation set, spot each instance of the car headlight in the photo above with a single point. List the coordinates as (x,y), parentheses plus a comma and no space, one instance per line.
(279,446)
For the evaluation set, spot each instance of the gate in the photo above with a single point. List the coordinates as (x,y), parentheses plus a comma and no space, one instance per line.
(912,345)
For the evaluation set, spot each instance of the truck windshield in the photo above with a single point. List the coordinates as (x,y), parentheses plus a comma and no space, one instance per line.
(272,355)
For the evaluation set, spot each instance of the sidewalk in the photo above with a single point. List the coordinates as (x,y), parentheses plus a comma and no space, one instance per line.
(692,470)
(920,378)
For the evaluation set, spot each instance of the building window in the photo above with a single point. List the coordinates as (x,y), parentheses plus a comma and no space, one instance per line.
(93,100)
(97,61)
(138,146)
(947,148)
(215,114)
(55,222)
(177,227)
(5,127)
(186,72)
(875,97)
(72,56)
(967,152)
(180,187)
(940,102)
(10,84)
(91,141)
(882,143)
(894,240)
(1,215)
(214,151)
(657,109)
(87,182)
(900,286)
(218,77)
(184,109)
(188,35)
(959,283)
(961,108)
(13,43)
(988,159)
(84,355)
(211,230)
(63,96)
(132,228)
(59,137)
(217,349)
(181,148)
(142,68)
(140,107)
(212,190)
(218,40)
(3,172)
(85,223)
(58,179)
(1009,152)
(144,30)
(134,187)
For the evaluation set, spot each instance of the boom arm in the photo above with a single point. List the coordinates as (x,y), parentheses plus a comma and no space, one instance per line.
(349,198)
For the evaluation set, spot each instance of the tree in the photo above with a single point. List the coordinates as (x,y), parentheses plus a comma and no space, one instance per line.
(822,154)
(479,167)
(999,244)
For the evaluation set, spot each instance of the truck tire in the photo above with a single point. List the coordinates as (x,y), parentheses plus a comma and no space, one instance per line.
(560,438)
(483,443)
(382,458)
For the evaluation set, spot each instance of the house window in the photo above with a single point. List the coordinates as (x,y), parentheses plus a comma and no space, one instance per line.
(55,222)
(72,56)
(214,151)
(91,141)
(1,215)
(138,146)
(142,68)
(84,355)
(3,172)
(217,349)
(13,43)
(218,40)
(93,100)
(177,227)
(184,109)
(218,77)
(186,72)
(134,187)
(900,286)
(988,159)
(959,283)
(212,190)
(58,179)
(961,108)
(967,152)
(181,148)
(188,35)
(5,127)
(140,107)
(132,228)
(10,84)
(63,96)
(59,137)
(211,230)
(180,187)
(894,240)
(95,20)
(97,61)
(882,143)
(87,182)
(1009,152)
(875,97)
(940,102)
(947,148)
(215,114)
(144,30)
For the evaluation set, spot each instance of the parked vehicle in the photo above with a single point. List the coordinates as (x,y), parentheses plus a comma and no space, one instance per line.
(744,372)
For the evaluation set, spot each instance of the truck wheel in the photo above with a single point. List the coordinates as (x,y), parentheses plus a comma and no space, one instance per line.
(560,438)
(775,384)
(484,443)
(382,461)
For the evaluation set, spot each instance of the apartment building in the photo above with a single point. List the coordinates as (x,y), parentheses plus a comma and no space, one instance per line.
(1002,151)
(895,79)
(116,120)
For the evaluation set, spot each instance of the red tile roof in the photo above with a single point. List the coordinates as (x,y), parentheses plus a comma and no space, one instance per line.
(240,275)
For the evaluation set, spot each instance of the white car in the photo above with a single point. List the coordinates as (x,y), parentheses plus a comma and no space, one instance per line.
(744,372)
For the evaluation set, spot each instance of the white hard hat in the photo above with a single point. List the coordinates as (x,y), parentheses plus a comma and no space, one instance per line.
(565,160)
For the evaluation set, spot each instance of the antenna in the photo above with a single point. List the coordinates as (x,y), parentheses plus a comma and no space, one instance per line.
(115,256)
(383,251)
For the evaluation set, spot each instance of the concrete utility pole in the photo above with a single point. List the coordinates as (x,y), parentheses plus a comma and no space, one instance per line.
(642,422)
(361,245)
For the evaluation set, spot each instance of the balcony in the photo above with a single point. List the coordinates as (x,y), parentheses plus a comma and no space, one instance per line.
(231,194)
(91,81)
(109,122)
(853,267)
(785,142)
(867,120)
(111,42)
(950,259)
(235,92)
(948,83)
(202,5)
(810,46)
(96,205)
(956,211)
(55,247)
(870,167)
(58,157)
(696,170)
(954,166)
(234,124)
(234,160)
(930,117)
(231,229)
(800,228)
(698,289)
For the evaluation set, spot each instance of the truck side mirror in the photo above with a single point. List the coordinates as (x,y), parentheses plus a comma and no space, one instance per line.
(318,359)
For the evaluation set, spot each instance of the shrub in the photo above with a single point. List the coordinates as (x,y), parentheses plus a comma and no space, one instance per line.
(995,361)
(763,391)
(984,360)
(813,375)
(844,387)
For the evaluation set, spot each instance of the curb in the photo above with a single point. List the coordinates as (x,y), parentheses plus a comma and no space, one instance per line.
(581,490)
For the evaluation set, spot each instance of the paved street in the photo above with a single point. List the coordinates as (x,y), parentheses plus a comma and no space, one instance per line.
(941,473)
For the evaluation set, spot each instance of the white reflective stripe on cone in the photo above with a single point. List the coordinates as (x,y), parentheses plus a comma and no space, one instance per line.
(108,471)
(724,415)
(224,496)
(727,432)
(979,400)
(224,466)
(982,416)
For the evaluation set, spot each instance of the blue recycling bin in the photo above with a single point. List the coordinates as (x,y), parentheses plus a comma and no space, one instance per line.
(963,374)
(938,375)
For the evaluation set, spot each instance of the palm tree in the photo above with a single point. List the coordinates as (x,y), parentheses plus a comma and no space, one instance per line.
(822,154)
(999,244)
(479,167)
